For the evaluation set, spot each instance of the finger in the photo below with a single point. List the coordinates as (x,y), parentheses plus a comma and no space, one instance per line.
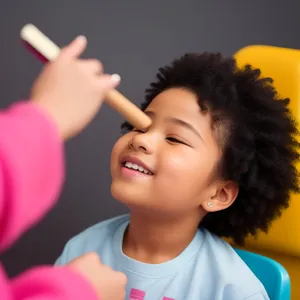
(107,82)
(93,66)
(98,258)
(75,48)
(123,278)
(91,255)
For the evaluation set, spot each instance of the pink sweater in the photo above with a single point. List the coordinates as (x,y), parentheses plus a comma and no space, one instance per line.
(31,177)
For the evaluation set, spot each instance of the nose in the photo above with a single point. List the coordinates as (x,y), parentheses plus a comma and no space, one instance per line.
(142,142)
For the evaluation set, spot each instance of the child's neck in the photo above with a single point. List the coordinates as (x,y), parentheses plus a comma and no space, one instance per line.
(155,240)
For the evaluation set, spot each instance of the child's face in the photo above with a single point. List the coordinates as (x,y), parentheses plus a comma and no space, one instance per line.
(181,153)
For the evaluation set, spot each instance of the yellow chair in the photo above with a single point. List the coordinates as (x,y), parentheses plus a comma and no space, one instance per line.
(282,243)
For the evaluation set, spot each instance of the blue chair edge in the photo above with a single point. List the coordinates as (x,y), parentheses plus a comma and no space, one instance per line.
(285,289)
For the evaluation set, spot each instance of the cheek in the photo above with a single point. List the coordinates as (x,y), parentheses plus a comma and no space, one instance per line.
(187,171)
(117,149)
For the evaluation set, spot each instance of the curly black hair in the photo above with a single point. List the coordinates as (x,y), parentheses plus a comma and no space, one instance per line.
(257,133)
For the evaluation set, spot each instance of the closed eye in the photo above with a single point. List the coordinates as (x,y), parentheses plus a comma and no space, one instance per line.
(169,139)
(176,141)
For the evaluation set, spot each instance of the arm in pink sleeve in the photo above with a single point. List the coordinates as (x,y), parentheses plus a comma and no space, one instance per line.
(31,176)
(46,283)
(31,169)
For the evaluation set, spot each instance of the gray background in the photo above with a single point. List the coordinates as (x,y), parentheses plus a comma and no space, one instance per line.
(133,38)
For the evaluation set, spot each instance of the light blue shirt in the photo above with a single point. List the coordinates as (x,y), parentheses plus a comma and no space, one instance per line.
(208,269)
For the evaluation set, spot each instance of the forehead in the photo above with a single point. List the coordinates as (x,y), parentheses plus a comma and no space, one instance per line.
(176,102)
(182,104)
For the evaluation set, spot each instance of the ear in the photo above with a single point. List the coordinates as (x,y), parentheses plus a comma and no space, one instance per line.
(224,195)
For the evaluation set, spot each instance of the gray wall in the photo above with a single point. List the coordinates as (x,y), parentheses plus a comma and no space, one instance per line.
(132,38)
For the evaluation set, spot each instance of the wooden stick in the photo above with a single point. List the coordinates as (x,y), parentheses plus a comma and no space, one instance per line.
(44,46)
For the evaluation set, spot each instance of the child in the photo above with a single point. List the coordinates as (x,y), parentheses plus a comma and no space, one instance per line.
(220,153)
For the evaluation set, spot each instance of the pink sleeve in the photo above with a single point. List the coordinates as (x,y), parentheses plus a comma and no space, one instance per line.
(46,283)
(31,176)
(31,169)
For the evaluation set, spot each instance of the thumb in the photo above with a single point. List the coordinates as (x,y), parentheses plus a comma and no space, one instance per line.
(75,48)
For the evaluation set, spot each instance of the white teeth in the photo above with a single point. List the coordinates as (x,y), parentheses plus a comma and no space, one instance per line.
(130,165)
(135,167)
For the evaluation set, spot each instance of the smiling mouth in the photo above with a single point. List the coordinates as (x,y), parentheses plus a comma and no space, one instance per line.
(136,167)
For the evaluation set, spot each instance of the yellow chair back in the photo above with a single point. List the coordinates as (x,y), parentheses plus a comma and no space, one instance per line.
(283,240)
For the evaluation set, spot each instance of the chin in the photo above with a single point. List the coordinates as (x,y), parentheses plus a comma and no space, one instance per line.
(126,194)
(136,200)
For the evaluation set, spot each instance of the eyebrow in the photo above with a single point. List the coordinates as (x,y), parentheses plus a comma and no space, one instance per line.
(178,122)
